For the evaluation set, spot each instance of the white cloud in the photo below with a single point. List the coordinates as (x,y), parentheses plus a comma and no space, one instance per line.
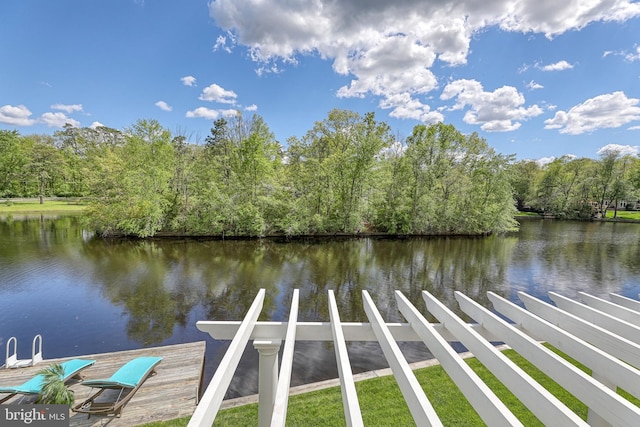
(229,112)
(67,108)
(16,115)
(533,85)
(218,94)
(252,107)
(634,128)
(222,44)
(96,125)
(625,150)
(557,66)
(498,111)
(57,120)
(406,107)
(188,80)
(395,150)
(610,110)
(633,56)
(210,114)
(545,161)
(163,106)
(203,112)
(389,47)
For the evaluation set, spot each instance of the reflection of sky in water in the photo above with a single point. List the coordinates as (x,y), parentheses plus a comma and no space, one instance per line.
(90,296)
(597,258)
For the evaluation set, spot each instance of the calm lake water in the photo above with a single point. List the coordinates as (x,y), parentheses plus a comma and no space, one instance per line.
(86,295)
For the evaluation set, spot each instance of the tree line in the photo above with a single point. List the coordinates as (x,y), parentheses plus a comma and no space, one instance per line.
(348,174)
(578,188)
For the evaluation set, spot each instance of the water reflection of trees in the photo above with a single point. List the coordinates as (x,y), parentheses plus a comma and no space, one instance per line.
(37,234)
(159,283)
(149,280)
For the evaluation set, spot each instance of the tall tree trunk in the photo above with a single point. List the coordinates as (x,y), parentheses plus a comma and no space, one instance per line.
(41,189)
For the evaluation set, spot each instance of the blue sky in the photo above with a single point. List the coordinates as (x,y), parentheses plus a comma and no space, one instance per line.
(536,79)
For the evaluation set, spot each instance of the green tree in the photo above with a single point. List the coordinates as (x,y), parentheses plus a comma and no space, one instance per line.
(393,209)
(12,160)
(523,176)
(221,149)
(458,184)
(332,168)
(44,167)
(135,182)
(613,180)
(433,156)
(180,184)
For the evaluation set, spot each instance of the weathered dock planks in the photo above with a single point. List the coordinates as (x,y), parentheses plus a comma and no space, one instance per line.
(171,393)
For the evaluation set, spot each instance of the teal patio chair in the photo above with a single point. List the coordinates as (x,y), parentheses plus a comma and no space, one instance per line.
(127,380)
(33,386)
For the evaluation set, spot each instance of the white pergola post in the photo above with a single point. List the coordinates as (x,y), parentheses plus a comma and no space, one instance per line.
(267,378)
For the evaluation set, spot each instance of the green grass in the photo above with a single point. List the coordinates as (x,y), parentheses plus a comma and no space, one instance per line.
(634,215)
(382,404)
(534,214)
(34,206)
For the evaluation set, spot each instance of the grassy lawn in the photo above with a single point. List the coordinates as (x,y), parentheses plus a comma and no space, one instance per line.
(20,206)
(533,214)
(382,404)
(635,215)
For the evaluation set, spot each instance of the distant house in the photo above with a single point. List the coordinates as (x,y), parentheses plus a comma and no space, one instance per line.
(623,205)
(627,205)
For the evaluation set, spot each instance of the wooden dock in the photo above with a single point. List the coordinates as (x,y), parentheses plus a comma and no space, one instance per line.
(171,393)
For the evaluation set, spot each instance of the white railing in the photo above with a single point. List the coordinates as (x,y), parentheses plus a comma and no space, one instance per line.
(600,334)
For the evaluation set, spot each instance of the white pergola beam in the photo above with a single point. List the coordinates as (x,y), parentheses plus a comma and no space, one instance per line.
(629,303)
(279,416)
(491,409)
(209,405)
(605,402)
(546,407)
(597,317)
(350,402)
(612,309)
(600,337)
(610,368)
(322,331)
(419,406)
(600,334)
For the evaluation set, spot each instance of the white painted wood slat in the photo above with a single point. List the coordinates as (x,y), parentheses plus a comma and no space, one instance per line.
(279,416)
(604,401)
(207,409)
(611,343)
(420,407)
(321,331)
(610,368)
(612,309)
(484,401)
(350,402)
(597,317)
(629,303)
(600,334)
(546,407)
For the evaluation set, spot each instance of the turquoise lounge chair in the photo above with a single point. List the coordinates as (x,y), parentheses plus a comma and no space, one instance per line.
(127,379)
(71,368)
